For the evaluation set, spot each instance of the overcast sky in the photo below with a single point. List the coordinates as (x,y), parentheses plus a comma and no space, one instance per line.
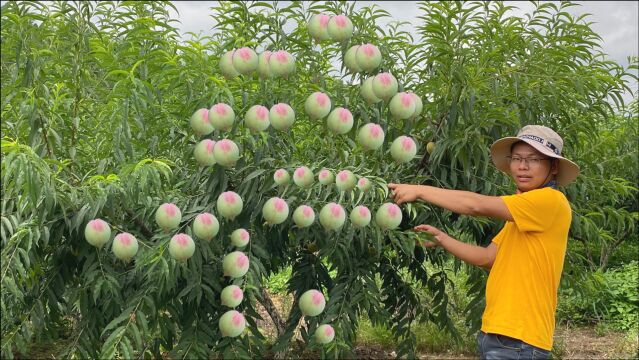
(617,22)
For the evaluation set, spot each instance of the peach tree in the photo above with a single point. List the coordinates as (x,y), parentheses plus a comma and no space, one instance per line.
(151,184)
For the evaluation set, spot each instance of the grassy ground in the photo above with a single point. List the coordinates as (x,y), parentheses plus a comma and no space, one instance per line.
(375,342)
(571,342)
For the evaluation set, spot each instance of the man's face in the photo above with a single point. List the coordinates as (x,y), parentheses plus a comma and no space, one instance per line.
(529,168)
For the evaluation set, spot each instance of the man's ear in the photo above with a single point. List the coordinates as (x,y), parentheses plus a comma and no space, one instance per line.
(554,167)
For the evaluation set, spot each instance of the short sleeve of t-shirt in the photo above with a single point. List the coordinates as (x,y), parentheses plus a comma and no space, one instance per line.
(500,235)
(533,211)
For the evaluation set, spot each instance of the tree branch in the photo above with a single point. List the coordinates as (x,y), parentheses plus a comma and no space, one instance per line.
(272,312)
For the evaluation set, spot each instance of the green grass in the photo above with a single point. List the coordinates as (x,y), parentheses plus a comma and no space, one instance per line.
(430,339)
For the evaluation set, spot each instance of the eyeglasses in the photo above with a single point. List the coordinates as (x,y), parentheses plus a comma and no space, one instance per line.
(531,161)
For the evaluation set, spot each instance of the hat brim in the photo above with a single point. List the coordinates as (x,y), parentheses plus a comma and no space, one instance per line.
(500,149)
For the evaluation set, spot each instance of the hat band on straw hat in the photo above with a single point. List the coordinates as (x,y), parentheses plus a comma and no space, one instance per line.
(547,143)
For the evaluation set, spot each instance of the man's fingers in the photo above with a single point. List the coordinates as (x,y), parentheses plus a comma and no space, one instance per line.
(392,186)
(429,244)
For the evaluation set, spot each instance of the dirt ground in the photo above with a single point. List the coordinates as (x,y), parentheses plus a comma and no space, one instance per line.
(570,342)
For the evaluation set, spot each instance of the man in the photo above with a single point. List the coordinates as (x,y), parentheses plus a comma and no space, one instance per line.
(527,256)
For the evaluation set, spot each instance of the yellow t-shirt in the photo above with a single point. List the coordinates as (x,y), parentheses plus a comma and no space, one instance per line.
(521,292)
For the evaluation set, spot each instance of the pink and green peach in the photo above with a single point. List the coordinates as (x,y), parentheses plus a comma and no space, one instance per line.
(360,216)
(203,153)
(229,205)
(303,177)
(303,216)
(240,238)
(371,136)
(221,117)
(340,121)
(345,180)
(385,86)
(235,264)
(317,105)
(226,152)
(282,116)
(232,324)
(206,226)
(275,211)
(332,216)
(125,246)
(97,233)
(312,303)
(257,118)
(168,216)
(403,149)
(181,247)
(232,296)
(200,122)
(388,216)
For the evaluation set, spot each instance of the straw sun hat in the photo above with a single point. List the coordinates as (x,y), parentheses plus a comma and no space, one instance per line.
(543,139)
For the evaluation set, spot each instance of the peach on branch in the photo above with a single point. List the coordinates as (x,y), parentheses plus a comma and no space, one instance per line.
(364,184)
(368,57)
(281,177)
(168,216)
(226,152)
(345,180)
(403,149)
(312,303)
(232,296)
(263,66)
(275,211)
(350,59)
(232,324)
(226,65)
(245,60)
(97,233)
(281,116)
(388,216)
(419,105)
(229,205)
(257,118)
(366,90)
(200,122)
(326,177)
(125,246)
(371,136)
(317,105)
(240,238)
(206,226)
(221,117)
(282,63)
(303,177)
(324,334)
(340,121)
(235,264)
(318,27)
(332,216)
(204,152)
(360,216)
(181,247)
(402,105)
(340,28)
(303,216)
(385,86)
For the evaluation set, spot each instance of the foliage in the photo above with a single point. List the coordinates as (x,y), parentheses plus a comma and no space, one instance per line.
(96,99)
(609,297)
